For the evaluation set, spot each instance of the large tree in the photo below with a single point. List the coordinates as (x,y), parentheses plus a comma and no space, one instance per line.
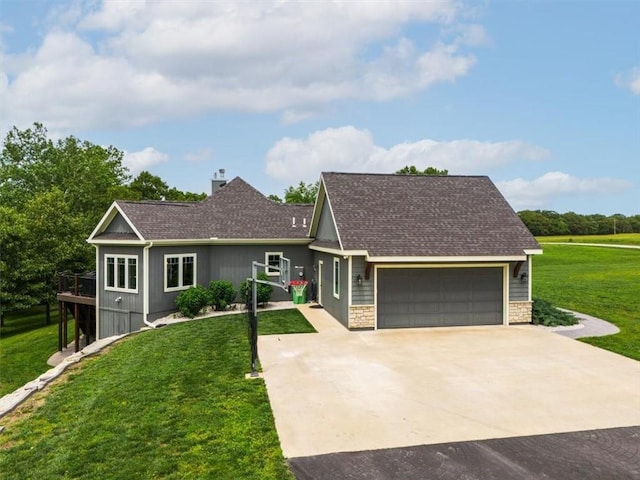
(52,195)
(85,173)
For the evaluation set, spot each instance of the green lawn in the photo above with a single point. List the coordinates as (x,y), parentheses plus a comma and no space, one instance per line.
(167,403)
(603,282)
(619,239)
(26,344)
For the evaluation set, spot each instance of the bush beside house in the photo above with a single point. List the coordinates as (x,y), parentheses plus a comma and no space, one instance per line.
(221,294)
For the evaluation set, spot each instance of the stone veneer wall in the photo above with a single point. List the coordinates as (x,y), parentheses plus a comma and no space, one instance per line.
(362,316)
(520,312)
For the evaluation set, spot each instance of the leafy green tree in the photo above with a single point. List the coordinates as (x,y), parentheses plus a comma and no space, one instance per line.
(31,164)
(175,195)
(412,170)
(303,193)
(275,198)
(148,186)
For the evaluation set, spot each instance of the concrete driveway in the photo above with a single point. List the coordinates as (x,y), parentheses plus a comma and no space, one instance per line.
(341,391)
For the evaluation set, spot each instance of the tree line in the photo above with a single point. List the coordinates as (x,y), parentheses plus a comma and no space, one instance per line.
(547,222)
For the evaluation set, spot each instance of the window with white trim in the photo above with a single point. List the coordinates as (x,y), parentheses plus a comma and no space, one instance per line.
(336,277)
(121,273)
(179,271)
(272,259)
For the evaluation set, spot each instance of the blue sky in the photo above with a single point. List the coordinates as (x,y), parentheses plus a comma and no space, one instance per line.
(541,96)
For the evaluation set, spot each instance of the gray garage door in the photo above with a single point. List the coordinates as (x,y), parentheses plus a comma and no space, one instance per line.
(434,297)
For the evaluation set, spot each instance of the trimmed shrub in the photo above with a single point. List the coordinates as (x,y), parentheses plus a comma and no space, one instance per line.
(191,302)
(221,294)
(544,313)
(264,291)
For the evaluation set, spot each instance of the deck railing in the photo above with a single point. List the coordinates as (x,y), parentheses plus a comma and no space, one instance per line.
(83,285)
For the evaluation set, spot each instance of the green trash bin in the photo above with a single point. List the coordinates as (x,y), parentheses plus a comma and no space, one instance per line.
(299,291)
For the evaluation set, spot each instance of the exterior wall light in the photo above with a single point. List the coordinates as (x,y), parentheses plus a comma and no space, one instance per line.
(359,280)
(523,277)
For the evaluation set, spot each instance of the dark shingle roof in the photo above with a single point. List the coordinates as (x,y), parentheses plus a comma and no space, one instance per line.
(237,211)
(413,215)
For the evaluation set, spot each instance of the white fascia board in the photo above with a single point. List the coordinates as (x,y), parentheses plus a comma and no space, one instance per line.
(391,266)
(512,258)
(124,243)
(108,217)
(333,218)
(340,252)
(537,251)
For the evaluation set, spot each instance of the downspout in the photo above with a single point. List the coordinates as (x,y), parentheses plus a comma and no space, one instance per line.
(98,277)
(145,280)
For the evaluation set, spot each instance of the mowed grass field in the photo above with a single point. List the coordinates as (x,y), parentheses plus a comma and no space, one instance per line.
(26,344)
(169,403)
(599,281)
(618,239)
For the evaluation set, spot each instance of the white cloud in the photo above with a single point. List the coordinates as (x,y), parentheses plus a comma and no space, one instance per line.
(630,80)
(541,192)
(115,64)
(350,149)
(202,155)
(143,159)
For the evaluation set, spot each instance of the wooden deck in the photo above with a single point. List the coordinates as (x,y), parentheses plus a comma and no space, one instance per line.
(77,296)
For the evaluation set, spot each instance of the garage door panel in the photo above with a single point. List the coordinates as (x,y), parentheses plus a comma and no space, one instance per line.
(439,297)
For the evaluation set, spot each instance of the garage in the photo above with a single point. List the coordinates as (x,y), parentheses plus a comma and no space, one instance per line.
(439,297)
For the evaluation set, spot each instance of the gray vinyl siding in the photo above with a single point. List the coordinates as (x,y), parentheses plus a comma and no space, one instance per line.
(363,294)
(326,226)
(119,225)
(518,290)
(116,318)
(338,308)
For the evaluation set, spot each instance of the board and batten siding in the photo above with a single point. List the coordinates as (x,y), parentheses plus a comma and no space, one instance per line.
(119,312)
(337,307)
(518,290)
(234,263)
(361,294)
(162,303)
(326,226)
(119,225)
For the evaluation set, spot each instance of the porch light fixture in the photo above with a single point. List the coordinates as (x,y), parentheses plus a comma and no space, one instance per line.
(359,280)
(523,277)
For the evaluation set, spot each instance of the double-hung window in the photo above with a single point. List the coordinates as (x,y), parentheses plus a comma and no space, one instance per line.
(336,277)
(179,271)
(272,262)
(121,273)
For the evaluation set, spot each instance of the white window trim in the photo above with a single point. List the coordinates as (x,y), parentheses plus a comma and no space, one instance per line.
(116,256)
(271,273)
(180,256)
(336,291)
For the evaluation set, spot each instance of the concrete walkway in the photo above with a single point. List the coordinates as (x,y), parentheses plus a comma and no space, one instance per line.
(340,391)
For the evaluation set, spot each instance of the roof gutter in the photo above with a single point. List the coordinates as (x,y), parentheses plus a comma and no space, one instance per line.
(145,296)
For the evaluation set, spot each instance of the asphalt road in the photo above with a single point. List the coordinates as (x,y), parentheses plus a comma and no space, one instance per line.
(612,453)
